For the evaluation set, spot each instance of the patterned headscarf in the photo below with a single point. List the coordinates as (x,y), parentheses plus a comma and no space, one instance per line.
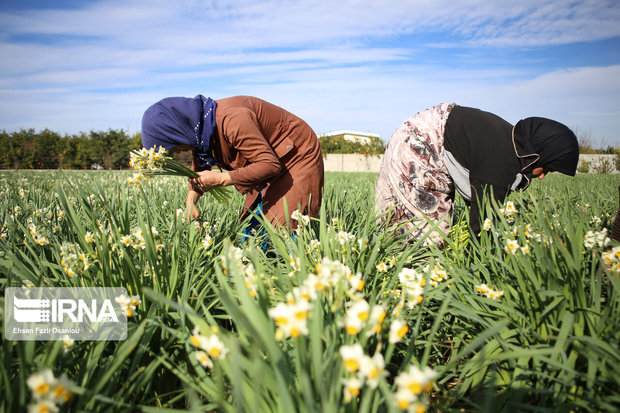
(547,143)
(181,121)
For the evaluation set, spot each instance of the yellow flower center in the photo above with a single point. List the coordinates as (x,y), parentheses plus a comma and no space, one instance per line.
(42,388)
(214,352)
(351,365)
(354,391)
(415,387)
(59,390)
(195,341)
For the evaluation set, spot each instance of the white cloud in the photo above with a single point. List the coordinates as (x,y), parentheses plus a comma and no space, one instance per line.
(364,64)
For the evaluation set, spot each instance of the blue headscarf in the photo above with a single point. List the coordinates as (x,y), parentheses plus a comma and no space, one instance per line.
(181,121)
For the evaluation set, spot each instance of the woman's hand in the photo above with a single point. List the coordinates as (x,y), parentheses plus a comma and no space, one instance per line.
(209,179)
(190,204)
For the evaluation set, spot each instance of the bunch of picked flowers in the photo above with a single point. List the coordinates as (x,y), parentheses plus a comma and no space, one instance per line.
(150,162)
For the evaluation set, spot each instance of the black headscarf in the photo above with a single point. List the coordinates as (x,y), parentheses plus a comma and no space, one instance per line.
(547,143)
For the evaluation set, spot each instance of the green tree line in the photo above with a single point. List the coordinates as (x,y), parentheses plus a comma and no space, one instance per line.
(338,144)
(46,149)
(27,149)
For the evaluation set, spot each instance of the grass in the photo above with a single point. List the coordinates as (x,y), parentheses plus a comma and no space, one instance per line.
(549,343)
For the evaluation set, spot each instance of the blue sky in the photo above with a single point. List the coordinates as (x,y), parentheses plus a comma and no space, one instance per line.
(365,65)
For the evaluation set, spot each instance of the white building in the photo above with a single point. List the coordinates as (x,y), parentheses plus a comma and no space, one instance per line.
(353,136)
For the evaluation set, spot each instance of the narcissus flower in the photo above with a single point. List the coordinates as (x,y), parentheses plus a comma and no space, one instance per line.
(488,292)
(352,388)
(398,330)
(203,358)
(372,369)
(356,316)
(215,347)
(41,383)
(486,225)
(416,380)
(512,246)
(128,304)
(352,356)
(291,319)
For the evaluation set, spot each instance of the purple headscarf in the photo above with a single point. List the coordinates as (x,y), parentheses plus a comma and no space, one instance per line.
(545,142)
(181,121)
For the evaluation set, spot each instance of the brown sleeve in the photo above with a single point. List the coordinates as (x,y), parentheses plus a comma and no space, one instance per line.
(243,134)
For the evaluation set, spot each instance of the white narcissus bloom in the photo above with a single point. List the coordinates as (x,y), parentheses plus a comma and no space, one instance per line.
(315,283)
(215,347)
(488,292)
(404,399)
(43,406)
(512,246)
(353,356)
(41,383)
(62,390)
(356,316)
(414,294)
(487,225)
(197,339)
(416,380)
(398,330)
(331,272)
(344,237)
(382,267)
(301,293)
(290,318)
(594,238)
(305,220)
(495,294)
(436,274)
(203,358)
(409,276)
(511,208)
(128,304)
(356,282)
(125,240)
(377,315)
(373,368)
(352,388)
(611,258)
(67,342)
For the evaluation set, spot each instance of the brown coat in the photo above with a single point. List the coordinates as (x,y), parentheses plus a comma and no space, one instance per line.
(267,148)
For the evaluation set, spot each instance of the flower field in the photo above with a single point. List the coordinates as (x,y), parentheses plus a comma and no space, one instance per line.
(341,317)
